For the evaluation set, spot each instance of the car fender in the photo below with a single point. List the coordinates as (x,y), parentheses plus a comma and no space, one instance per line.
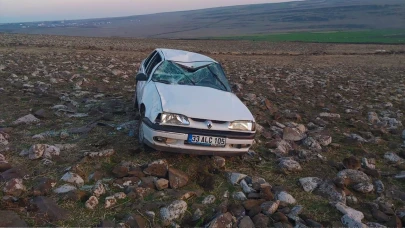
(151,100)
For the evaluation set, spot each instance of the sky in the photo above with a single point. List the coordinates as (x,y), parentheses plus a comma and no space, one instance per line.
(44,10)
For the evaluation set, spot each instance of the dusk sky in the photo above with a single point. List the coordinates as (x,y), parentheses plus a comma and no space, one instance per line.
(41,10)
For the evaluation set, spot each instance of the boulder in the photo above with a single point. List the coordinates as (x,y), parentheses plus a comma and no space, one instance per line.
(157,168)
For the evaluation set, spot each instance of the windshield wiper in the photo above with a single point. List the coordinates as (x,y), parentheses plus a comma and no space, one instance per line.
(163,81)
(216,76)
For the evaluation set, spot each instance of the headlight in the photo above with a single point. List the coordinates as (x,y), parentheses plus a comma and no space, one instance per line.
(174,119)
(242,125)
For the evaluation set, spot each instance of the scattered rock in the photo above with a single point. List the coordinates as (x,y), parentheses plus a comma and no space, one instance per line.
(285,197)
(110,201)
(103,153)
(91,203)
(73,178)
(261,221)
(174,211)
(393,157)
(288,165)
(13,219)
(309,184)
(352,213)
(223,220)
(219,162)
(329,190)
(49,210)
(161,184)
(329,115)
(352,163)
(44,187)
(364,187)
(269,207)
(239,196)
(379,215)
(157,168)
(177,178)
(246,222)
(28,119)
(235,178)
(98,189)
(64,189)
(354,176)
(14,187)
(379,186)
(347,221)
(245,187)
(210,199)
(312,144)
(293,134)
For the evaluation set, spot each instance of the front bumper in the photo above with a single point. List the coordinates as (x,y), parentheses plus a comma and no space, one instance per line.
(176,141)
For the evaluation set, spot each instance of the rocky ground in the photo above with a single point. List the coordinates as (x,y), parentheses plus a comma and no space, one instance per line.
(330,151)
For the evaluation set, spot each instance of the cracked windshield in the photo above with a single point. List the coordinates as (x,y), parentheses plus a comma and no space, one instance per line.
(210,75)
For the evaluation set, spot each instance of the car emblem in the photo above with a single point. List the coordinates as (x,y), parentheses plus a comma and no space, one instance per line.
(209,124)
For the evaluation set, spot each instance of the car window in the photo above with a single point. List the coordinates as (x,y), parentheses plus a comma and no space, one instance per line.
(148,59)
(155,60)
(210,75)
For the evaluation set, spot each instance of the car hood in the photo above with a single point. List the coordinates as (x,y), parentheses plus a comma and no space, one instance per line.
(202,102)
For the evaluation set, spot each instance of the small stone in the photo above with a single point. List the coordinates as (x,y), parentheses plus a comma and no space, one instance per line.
(351,200)
(237,210)
(64,189)
(251,203)
(309,184)
(219,161)
(239,196)
(14,187)
(161,184)
(103,153)
(329,115)
(91,203)
(43,187)
(73,178)
(110,201)
(261,221)
(352,163)
(98,189)
(269,207)
(235,178)
(266,193)
(210,199)
(354,176)
(223,220)
(329,190)
(245,187)
(174,211)
(400,175)
(285,197)
(375,225)
(379,215)
(312,144)
(379,186)
(177,178)
(48,210)
(120,171)
(197,215)
(393,157)
(288,165)
(246,222)
(323,139)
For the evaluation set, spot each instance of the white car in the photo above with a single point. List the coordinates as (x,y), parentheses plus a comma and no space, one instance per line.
(186,106)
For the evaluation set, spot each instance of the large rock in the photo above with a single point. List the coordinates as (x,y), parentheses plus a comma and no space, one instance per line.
(43,150)
(285,197)
(73,178)
(352,213)
(43,187)
(14,187)
(329,190)
(309,184)
(26,120)
(293,134)
(48,210)
(288,165)
(174,211)
(177,178)
(347,221)
(393,157)
(11,219)
(157,168)
(354,176)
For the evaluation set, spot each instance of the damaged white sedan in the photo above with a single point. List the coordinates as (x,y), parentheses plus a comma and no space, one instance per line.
(186,105)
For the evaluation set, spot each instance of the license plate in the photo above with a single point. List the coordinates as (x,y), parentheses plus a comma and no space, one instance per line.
(206,140)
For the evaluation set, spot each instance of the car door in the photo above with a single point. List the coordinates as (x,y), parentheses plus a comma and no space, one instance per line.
(151,65)
(142,69)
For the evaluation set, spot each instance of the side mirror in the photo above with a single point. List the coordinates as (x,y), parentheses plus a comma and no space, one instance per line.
(141,77)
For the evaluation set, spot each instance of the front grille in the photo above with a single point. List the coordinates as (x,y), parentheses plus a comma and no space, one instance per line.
(203,120)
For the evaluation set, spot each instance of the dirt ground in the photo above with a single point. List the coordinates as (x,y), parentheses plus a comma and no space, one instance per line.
(279,82)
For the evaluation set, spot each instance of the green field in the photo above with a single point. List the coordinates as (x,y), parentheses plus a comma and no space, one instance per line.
(370,36)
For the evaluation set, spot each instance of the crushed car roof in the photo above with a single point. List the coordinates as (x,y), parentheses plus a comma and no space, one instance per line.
(184,56)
